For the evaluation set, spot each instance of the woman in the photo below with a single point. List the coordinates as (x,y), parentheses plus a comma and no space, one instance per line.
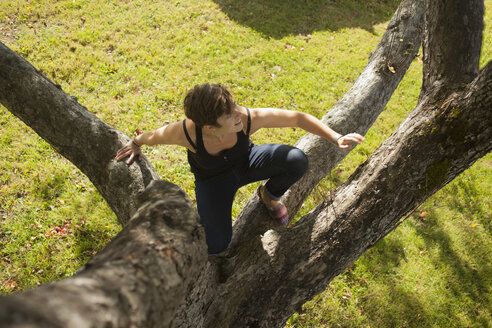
(223,158)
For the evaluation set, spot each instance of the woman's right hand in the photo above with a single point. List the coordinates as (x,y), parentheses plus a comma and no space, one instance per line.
(131,150)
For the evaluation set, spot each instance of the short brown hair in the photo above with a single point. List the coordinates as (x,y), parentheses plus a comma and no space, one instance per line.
(206,102)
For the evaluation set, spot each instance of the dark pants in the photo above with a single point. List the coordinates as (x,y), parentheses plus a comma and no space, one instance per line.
(281,164)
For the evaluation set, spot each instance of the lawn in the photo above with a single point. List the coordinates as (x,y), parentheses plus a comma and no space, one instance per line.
(131,63)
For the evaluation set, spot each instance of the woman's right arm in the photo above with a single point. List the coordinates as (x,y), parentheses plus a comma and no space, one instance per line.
(171,134)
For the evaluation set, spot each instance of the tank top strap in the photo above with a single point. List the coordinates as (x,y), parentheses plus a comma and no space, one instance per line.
(188,136)
(199,138)
(249,121)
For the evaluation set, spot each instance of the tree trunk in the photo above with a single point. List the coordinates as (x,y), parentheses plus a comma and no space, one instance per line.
(155,272)
(454,33)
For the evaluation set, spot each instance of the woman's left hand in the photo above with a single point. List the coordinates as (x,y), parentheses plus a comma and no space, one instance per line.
(347,141)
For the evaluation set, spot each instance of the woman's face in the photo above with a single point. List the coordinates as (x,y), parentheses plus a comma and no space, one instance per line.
(231,122)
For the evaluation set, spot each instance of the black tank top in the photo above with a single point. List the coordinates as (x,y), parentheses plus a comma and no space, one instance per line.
(205,166)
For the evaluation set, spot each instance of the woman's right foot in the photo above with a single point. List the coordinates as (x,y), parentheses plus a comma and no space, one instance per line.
(277,210)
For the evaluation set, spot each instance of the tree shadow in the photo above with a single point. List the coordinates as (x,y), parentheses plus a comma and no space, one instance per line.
(403,305)
(468,281)
(280,18)
(468,202)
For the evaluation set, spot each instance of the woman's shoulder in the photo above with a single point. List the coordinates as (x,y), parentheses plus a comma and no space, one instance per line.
(175,133)
(246,112)
(188,126)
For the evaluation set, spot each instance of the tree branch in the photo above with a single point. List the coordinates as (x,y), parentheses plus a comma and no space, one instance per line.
(355,112)
(73,131)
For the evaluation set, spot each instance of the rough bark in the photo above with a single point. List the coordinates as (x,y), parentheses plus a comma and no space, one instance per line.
(73,131)
(138,280)
(355,112)
(452,29)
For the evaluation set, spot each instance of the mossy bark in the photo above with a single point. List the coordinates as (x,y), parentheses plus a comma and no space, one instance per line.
(454,34)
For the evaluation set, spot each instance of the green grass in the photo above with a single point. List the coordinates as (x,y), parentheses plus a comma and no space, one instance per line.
(131,62)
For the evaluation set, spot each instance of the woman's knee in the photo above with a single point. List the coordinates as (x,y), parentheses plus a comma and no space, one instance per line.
(297,162)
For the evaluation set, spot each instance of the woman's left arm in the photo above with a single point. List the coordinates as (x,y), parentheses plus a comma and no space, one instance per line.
(280,118)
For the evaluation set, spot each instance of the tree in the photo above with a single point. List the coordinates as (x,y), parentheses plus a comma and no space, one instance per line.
(156,272)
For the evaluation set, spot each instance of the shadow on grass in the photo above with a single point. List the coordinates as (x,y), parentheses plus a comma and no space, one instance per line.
(466,291)
(468,282)
(386,258)
(280,18)
(466,200)
(456,247)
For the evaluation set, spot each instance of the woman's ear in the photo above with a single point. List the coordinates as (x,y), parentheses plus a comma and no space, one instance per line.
(209,128)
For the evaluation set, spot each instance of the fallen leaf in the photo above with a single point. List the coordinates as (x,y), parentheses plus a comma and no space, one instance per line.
(10,284)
